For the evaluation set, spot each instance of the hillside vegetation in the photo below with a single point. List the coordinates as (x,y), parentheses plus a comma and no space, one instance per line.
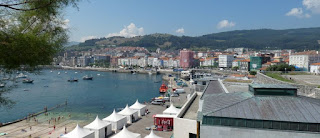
(299,39)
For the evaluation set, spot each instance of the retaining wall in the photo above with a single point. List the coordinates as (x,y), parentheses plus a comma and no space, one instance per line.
(305,90)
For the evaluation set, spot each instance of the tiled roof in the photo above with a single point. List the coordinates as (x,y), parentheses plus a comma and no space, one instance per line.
(315,64)
(312,52)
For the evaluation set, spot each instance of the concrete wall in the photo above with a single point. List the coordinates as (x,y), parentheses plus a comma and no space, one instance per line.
(310,91)
(230,132)
(182,127)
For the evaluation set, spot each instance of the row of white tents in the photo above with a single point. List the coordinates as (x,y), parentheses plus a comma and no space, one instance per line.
(102,128)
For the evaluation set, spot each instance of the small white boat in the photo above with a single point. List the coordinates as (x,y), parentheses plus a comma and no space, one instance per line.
(51,71)
(98,74)
(58,73)
(65,72)
(150,73)
(21,75)
(2,85)
(75,72)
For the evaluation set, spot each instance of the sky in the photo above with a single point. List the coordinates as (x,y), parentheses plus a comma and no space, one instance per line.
(128,18)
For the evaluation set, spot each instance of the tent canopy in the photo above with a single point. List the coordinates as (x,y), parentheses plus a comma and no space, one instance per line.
(152,135)
(124,133)
(114,117)
(127,111)
(171,110)
(97,124)
(78,132)
(137,105)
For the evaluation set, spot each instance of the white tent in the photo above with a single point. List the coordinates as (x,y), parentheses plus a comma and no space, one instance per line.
(100,128)
(171,110)
(152,135)
(124,133)
(141,108)
(79,132)
(131,114)
(116,120)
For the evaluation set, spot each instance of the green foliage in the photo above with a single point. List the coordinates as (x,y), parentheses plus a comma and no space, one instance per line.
(253,72)
(278,77)
(281,67)
(299,39)
(32,32)
(236,68)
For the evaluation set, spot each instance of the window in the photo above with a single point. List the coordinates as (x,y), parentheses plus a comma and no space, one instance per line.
(258,124)
(303,127)
(313,128)
(276,125)
(240,123)
(250,124)
(294,126)
(267,124)
(284,125)
(216,121)
(224,122)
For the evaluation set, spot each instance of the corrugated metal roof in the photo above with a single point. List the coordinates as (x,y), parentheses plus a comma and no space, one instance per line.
(215,102)
(277,108)
(274,86)
(214,87)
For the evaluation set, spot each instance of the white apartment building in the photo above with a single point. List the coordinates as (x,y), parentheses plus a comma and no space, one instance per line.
(225,61)
(303,60)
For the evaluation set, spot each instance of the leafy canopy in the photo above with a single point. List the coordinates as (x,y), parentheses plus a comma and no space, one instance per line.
(31,32)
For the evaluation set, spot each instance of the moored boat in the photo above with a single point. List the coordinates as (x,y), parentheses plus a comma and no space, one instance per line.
(2,85)
(27,81)
(163,88)
(73,80)
(21,75)
(87,77)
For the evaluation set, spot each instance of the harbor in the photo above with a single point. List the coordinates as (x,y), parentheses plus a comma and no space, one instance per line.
(46,124)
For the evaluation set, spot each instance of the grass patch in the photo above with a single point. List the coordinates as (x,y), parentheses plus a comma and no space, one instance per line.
(235,80)
(298,73)
(278,77)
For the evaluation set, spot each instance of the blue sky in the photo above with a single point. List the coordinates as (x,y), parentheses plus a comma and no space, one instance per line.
(103,18)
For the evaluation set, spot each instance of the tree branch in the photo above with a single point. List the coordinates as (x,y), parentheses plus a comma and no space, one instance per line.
(10,6)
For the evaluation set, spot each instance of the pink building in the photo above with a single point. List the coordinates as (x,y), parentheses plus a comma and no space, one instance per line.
(186,58)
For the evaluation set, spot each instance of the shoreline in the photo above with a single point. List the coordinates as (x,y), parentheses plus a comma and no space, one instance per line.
(161,71)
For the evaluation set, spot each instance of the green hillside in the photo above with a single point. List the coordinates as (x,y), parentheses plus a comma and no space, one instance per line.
(299,39)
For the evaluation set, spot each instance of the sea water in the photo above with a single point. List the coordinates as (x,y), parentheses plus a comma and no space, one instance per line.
(107,91)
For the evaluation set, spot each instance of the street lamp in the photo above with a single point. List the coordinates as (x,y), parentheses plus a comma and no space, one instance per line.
(285,70)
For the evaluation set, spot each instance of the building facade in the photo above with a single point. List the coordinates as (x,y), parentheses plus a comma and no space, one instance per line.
(225,61)
(186,58)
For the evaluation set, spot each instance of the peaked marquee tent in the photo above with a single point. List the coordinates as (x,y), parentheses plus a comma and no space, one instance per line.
(152,135)
(131,114)
(79,132)
(171,110)
(124,133)
(100,128)
(117,121)
(141,108)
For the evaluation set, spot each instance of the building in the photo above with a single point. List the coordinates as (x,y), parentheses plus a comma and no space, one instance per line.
(315,68)
(186,58)
(209,62)
(303,60)
(267,110)
(256,63)
(225,61)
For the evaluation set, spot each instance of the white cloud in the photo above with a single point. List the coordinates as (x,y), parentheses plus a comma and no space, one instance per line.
(65,24)
(313,5)
(298,12)
(129,31)
(225,24)
(87,38)
(180,31)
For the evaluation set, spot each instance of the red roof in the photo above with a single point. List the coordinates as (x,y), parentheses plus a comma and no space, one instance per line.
(318,64)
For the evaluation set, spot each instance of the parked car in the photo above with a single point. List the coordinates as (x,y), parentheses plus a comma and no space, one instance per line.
(175,94)
(157,102)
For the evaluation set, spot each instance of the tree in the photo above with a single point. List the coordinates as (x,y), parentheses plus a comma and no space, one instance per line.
(281,67)
(253,72)
(31,32)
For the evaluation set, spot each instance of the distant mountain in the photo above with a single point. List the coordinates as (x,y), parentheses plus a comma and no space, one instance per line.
(299,39)
(72,43)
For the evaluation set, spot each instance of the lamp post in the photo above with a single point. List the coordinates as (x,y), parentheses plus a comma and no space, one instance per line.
(285,70)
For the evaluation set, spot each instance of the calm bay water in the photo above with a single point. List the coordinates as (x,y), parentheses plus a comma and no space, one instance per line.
(98,96)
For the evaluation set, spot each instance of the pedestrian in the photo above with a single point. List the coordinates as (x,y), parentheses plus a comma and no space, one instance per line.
(65,130)
(30,127)
(54,127)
